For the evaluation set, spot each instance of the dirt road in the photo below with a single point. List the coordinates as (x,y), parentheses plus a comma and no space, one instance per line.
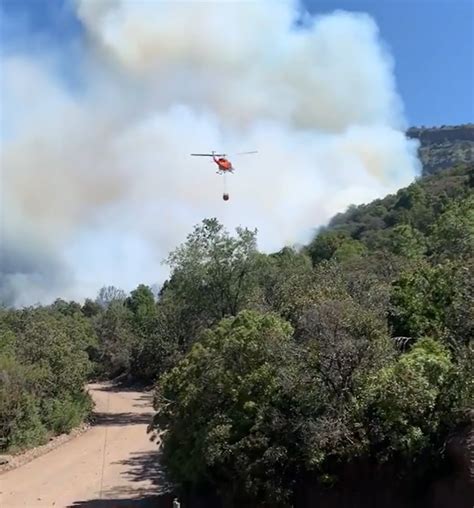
(113,465)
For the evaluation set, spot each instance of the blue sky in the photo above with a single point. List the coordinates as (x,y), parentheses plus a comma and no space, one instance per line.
(432,43)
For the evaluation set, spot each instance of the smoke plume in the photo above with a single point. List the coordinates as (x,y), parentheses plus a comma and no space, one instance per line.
(97,182)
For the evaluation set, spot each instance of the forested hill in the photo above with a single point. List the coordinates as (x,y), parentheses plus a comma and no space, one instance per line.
(448,175)
(444,147)
(408,221)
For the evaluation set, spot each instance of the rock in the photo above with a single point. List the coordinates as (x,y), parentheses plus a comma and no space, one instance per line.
(444,147)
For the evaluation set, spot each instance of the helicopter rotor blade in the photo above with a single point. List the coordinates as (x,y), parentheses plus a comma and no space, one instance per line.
(247,153)
(208,154)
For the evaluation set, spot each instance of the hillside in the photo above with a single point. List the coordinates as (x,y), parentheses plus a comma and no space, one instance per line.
(448,178)
(419,206)
(444,147)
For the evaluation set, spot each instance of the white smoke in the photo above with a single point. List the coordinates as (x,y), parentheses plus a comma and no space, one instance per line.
(102,179)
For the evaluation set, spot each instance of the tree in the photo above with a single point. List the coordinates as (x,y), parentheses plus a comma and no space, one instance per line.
(217,409)
(406,241)
(91,308)
(66,308)
(44,365)
(350,250)
(150,350)
(413,399)
(141,303)
(427,301)
(348,341)
(213,275)
(284,279)
(326,244)
(453,233)
(109,294)
(345,346)
(116,339)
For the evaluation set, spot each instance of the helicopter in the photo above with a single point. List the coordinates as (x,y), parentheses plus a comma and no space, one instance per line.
(224,165)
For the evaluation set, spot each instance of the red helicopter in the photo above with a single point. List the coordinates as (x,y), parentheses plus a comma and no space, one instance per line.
(224,165)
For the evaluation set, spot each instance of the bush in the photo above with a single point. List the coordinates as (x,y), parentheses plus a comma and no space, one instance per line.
(218,409)
(26,429)
(43,369)
(409,400)
(61,415)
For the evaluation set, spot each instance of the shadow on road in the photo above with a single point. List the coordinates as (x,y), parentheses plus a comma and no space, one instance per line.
(121,419)
(140,466)
(145,400)
(145,466)
(122,386)
(165,501)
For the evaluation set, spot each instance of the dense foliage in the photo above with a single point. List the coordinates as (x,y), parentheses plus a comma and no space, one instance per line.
(357,346)
(44,364)
(270,368)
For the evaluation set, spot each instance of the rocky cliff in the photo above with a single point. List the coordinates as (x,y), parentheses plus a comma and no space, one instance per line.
(444,147)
